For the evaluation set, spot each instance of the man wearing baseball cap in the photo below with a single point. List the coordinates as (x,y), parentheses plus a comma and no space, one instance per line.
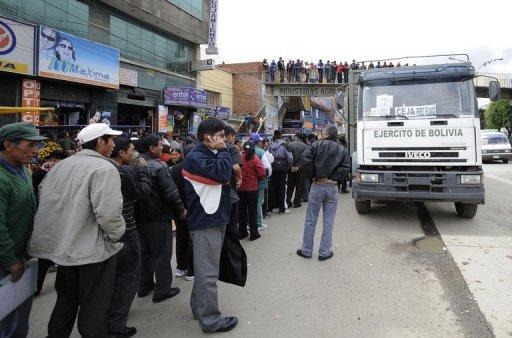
(78,225)
(18,145)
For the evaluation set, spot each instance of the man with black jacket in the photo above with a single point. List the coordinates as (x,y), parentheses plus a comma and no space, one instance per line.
(135,186)
(154,216)
(327,162)
(281,68)
(295,174)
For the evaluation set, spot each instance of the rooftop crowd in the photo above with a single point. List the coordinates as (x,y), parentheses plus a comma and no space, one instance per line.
(300,71)
(101,208)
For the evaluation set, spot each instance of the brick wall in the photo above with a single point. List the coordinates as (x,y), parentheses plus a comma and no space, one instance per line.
(246,86)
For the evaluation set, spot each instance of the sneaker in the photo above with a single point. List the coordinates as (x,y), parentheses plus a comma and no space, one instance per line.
(263,227)
(287,211)
(180,273)
(189,278)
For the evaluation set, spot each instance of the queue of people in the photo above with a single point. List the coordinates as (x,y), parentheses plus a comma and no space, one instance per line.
(300,71)
(102,214)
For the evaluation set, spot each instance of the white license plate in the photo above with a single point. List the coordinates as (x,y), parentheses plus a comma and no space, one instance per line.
(495,156)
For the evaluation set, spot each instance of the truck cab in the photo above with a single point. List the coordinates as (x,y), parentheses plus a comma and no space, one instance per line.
(418,137)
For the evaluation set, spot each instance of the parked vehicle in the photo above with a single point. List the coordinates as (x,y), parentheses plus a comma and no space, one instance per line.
(495,146)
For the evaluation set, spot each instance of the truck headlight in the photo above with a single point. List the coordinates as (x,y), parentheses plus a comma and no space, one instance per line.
(484,151)
(370,178)
(508,151)
(470,179)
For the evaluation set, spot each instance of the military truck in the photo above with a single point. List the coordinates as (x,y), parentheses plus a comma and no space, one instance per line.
(415,135)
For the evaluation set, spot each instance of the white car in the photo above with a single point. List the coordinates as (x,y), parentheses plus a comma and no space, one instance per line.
(495,146)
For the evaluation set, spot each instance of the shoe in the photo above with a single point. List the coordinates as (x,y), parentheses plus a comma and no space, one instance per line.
(122,331)
(324,258)
(304,200)
(243,236)
(299,252)
(344,192)
(170,294)
(144,292)
(297,206)
(287,211)
(263,227)
(189,278)
(180,273)
(255,237)
(229,325)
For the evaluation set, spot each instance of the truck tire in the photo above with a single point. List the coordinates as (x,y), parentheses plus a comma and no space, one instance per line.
(505,161)
(363,207)
(466,210)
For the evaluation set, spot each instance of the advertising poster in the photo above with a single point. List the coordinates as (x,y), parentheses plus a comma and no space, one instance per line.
(163,111)
(17,46)
(170,123)
(67,57)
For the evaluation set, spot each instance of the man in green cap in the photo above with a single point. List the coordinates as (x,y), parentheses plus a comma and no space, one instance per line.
(18,145)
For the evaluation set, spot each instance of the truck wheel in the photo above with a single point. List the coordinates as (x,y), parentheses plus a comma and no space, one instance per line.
(363,207)
(466,210)
(505,161)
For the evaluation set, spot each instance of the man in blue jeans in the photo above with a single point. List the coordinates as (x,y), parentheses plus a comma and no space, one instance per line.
(326,161)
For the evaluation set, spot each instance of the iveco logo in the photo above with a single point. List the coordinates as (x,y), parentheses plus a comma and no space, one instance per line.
(417,154)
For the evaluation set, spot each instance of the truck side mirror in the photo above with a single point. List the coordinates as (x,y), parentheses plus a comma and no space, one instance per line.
(494,90)
(340,100)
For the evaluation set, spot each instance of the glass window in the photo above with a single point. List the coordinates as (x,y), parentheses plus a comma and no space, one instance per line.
(78,18)
(193,7)
(55,14)
(118,34)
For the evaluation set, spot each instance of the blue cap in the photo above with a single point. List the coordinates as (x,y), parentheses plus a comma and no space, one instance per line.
(255,137)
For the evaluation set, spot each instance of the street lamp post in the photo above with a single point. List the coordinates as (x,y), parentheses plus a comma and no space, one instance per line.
(488,62)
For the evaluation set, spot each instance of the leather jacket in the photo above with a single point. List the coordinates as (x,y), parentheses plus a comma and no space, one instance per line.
(164,202)
(326,159)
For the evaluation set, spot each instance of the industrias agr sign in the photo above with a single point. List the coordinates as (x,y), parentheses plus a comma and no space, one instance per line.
(298,90)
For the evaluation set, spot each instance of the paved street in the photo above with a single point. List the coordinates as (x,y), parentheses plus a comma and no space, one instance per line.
(377,285)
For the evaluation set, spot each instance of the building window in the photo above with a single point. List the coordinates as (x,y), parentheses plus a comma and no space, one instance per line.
(145,46)
(192,7)
(213,98)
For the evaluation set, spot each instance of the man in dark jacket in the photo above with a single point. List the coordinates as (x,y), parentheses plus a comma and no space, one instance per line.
(295,174)
(154,216)
(327,162)
(283,160)
(281,69)
(135,186)
(207,170)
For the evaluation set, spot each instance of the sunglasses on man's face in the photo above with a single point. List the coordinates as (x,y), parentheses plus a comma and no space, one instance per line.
(62,45)
(48,37)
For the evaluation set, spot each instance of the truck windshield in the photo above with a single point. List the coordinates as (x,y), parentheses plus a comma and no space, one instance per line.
(494,139)
(419,99)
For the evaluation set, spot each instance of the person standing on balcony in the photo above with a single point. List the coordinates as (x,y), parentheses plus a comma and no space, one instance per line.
(273,67)
(320,67)
(281,68)
(266,69)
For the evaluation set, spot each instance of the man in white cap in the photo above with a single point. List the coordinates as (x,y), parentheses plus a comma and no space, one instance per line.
(77,226)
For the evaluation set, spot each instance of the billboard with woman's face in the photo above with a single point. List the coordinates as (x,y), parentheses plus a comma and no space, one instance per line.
(67,57)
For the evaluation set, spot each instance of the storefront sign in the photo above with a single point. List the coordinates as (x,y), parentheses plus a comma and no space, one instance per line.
(128,77)
(17,45)
(298,90)
(30,97)
(212,30)
(190,97)
(67,57)
(163,111)
(222,113)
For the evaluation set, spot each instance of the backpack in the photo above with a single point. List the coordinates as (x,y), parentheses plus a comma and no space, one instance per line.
(280,164)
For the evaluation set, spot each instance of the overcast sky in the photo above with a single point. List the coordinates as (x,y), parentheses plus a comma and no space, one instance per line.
(335,30)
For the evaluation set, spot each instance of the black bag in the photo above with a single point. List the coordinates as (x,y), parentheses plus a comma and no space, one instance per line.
(280,165)
(233,261)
